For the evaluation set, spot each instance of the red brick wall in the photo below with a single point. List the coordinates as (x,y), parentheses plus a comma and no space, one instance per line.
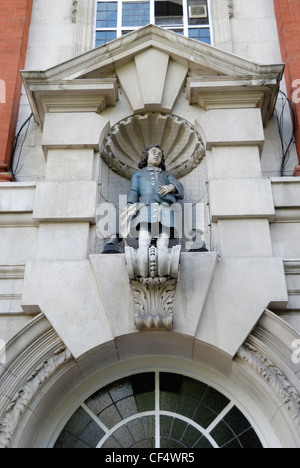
(15,16)
(288,22)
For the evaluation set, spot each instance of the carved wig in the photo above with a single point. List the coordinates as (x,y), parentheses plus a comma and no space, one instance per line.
(145,154)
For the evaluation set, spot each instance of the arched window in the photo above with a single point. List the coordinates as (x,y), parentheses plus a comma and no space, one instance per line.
(116,18)
(158,410)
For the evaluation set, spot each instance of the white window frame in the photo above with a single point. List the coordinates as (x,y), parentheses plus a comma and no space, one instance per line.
(120,29)
(220,30)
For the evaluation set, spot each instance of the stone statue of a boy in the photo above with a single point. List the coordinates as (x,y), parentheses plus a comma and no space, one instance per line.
(155,190)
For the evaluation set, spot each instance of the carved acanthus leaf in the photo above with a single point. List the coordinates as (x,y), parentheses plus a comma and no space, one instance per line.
(153,303)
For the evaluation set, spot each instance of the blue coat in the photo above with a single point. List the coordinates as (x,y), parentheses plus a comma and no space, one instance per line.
(144,190)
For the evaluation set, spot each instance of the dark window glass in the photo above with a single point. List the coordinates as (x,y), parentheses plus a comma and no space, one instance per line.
(200,34)
(196,15)
(168,14)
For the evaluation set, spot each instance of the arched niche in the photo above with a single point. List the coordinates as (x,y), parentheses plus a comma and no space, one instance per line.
(184,153)
(124,144)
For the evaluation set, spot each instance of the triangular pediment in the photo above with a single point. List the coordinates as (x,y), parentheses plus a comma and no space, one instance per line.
(143,63)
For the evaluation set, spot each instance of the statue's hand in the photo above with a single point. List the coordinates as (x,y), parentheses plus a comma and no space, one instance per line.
(165,189)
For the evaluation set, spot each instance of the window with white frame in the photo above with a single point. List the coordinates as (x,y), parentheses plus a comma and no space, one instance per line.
(190,18)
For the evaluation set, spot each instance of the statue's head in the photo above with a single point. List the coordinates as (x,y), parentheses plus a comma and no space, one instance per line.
(145,156)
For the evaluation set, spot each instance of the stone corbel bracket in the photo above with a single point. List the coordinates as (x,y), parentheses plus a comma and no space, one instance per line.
(239,92)
(153,275)
(48,96)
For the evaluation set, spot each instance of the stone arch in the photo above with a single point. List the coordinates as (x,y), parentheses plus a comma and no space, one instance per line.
(50,383)
(2,92)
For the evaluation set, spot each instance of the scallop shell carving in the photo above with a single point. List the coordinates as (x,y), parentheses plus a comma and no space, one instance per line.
(123,146)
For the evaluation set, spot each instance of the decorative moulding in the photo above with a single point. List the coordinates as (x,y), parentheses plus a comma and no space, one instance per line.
(61,96)
(21,402)
(153,275)
(11,295)
(274,378)
(196,55)
(123,146)
(153,303)
(35,357)
(130,58)
(75,11)
(266,356)
(234,93)
(84,16)
(15,272)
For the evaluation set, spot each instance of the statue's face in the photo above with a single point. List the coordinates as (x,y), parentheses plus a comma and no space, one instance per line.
(154,157)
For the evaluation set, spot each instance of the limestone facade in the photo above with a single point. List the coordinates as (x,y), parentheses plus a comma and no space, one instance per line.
(66,311)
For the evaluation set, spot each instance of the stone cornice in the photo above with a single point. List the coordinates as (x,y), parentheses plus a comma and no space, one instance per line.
(181,48)
(274,378)
(33,357)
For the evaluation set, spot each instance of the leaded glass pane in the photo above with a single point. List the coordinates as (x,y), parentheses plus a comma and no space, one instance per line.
(203,443)
(198,12)
(139,433)
(80,432)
